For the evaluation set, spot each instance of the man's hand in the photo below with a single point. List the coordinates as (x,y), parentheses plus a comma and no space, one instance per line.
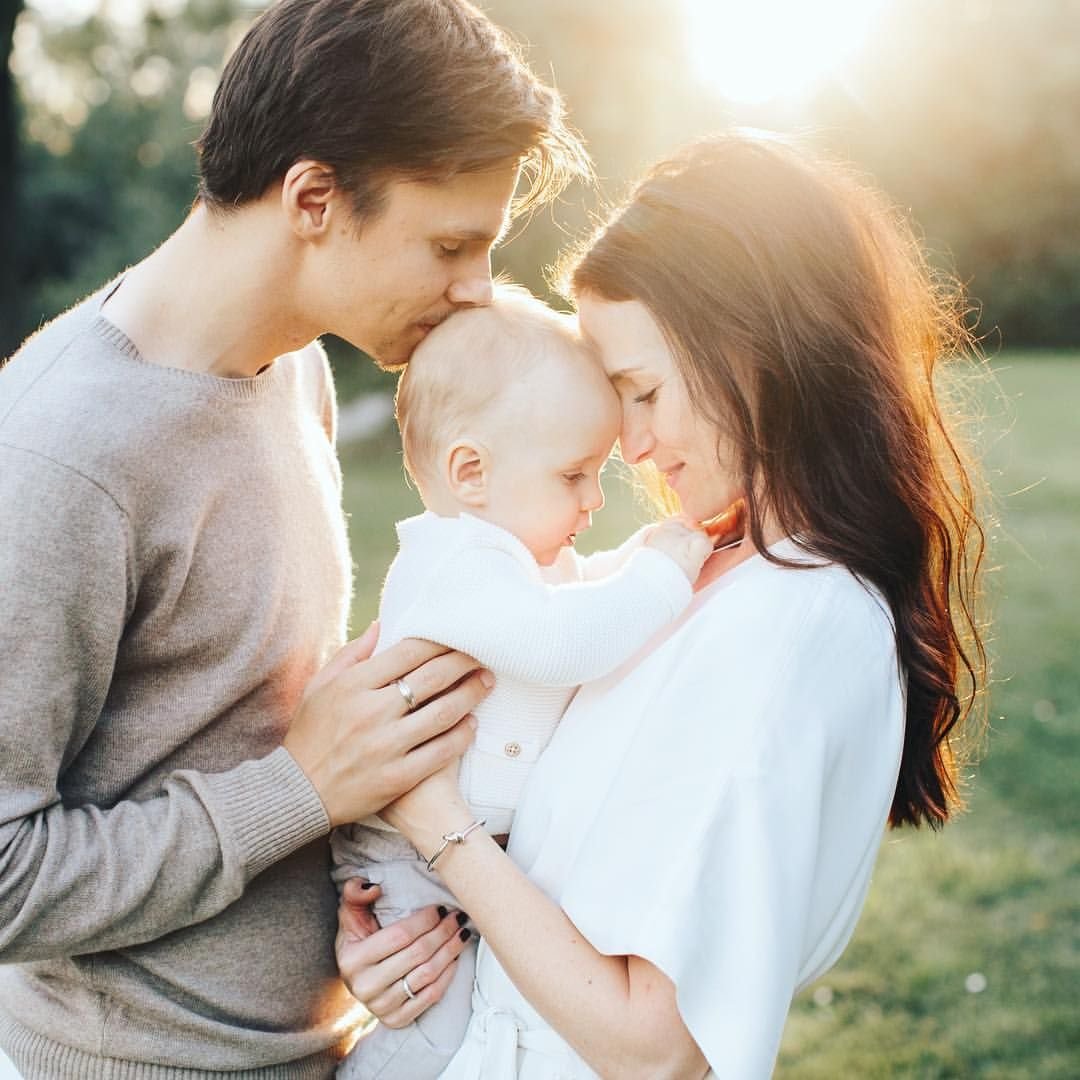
(356,738)
(684,542)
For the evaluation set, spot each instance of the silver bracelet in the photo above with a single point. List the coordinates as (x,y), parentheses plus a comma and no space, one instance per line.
(453,838)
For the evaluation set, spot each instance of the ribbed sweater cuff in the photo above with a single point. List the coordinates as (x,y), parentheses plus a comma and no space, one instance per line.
(268,808)
(664,577)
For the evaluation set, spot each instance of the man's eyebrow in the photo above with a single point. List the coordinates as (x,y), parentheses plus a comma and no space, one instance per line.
(483,235)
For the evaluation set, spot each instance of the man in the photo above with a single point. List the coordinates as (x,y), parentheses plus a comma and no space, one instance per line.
(173,560)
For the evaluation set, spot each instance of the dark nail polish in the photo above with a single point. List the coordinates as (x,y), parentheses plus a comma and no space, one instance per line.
(462,918)
(365,884)
(442,911)
(465,934)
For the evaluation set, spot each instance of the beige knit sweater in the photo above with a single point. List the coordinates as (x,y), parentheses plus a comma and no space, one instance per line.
(173,569)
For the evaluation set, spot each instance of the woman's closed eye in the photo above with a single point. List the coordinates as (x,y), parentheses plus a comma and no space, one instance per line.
(647,398)
(573,478)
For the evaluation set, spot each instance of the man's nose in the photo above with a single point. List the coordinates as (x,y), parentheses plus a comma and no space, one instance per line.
(473,288)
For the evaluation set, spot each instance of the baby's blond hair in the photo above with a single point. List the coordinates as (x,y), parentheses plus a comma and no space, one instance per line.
(475,356)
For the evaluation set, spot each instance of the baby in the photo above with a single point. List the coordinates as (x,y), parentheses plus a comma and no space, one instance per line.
(506,422)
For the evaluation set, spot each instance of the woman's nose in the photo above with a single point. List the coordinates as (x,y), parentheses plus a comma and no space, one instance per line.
(635,442)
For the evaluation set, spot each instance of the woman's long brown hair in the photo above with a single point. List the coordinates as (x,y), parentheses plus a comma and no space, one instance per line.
(810,330)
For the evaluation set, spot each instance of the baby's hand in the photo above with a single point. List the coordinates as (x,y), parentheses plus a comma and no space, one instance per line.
(684,541)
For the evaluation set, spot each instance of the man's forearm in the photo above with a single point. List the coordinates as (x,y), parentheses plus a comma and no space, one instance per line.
(83,879)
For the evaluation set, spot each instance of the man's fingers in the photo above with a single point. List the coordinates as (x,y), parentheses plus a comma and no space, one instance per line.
(399,660)
(437,753)
(442,713)
(352,652)
(431,679)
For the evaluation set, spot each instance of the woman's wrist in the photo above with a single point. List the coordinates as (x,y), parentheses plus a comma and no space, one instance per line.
(427,837)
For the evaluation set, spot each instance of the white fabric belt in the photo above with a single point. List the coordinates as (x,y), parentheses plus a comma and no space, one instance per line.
(498,1034)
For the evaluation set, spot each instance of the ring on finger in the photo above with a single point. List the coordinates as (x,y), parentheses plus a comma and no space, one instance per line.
(410,993)
(406,692)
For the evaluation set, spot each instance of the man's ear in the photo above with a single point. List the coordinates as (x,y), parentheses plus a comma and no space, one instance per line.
(467,466)
(308,198)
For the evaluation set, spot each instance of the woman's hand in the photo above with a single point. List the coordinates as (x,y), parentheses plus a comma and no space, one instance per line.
(424,946)
(429,810)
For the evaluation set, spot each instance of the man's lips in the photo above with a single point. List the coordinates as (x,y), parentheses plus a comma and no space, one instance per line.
(431,321)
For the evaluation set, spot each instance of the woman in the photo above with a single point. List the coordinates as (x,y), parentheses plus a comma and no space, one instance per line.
(697,842)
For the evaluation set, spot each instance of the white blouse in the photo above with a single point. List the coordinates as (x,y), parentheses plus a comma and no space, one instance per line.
(714,806)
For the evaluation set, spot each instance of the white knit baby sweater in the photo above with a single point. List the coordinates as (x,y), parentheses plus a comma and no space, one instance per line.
(474,586)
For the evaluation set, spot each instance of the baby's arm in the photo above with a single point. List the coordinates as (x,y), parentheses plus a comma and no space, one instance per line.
(485,604)
(680,538)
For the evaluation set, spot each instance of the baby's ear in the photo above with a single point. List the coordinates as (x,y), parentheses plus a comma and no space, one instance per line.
(467,473)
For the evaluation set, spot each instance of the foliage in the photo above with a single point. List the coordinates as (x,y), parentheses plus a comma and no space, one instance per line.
(967,113)
(109,171)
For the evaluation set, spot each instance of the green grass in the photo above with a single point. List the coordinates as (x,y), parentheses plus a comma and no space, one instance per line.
(997,893)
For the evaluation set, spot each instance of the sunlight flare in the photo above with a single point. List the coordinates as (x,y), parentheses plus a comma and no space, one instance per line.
(772,49)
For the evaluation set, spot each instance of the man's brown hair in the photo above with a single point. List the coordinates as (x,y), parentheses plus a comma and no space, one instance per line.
(377,90)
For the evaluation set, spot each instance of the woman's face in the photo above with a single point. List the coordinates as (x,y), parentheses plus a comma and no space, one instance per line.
(658,422)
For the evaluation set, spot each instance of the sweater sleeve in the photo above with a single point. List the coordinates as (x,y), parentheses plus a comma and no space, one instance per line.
(602,564)
(485,604)
(75,876)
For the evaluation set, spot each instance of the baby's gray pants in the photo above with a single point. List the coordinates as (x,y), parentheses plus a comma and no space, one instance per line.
(424,1048)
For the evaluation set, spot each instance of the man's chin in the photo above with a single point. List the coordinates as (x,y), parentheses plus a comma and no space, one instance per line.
(391,355)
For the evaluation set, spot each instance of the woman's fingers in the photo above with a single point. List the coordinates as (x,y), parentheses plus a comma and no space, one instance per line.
(356,920)
(425,998)
(426,980)
(372,965)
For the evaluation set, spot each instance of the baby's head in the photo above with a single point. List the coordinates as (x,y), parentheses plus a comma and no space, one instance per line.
(505,414)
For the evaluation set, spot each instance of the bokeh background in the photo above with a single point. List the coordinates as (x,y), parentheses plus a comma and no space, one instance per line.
(968,113)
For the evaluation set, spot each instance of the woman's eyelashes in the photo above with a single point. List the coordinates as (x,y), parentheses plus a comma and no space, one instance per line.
(646,398)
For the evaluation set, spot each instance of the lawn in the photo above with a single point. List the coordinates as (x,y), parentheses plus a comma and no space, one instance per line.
(966,961)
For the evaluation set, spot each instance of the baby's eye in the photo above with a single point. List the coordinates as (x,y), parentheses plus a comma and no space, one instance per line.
(448,250)
(647,398)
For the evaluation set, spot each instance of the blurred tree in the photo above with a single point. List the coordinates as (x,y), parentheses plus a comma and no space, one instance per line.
(967,113)
(9,145)
(623,74)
